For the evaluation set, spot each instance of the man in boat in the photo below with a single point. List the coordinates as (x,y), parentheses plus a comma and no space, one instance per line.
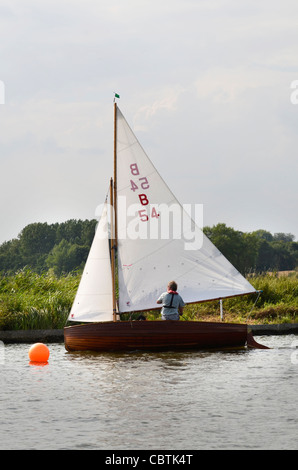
(172,303)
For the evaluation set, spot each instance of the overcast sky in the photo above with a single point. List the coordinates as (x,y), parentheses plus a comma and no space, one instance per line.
(205,85)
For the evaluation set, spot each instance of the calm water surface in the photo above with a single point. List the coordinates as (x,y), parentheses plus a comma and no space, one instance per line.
(190,400)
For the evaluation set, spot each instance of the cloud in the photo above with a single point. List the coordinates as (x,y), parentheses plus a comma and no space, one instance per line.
(161,100)
(204,84)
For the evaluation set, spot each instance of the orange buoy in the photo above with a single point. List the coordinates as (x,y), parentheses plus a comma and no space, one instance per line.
(39,352)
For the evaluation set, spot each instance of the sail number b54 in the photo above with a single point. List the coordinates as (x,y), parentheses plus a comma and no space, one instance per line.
(141,183)
(144,184)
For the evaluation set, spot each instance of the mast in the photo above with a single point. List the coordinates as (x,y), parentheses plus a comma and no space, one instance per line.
(114,229)
(115,174)
(113,250)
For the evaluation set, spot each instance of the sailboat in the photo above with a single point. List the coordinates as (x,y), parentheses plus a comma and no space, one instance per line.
(144,239)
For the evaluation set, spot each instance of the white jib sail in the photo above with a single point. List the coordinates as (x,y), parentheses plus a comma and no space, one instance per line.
(157,240)
(93,301)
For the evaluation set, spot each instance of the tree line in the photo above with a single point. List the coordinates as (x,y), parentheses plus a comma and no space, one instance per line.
(64,248)
(255,252)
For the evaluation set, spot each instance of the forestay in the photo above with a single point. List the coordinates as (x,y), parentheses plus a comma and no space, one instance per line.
(158,241)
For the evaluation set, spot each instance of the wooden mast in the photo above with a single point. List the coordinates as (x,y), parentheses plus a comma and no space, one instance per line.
(115,174)
(114,237)
(113,251)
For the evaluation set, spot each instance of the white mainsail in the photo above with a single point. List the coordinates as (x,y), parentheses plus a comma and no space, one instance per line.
(150,250)
(93,301)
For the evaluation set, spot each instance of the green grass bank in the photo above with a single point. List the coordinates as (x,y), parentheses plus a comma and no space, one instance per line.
(33,301)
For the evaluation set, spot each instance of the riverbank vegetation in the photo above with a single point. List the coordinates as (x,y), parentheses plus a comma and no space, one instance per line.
(64,248)
(41,269)
(29,300)
(36,301)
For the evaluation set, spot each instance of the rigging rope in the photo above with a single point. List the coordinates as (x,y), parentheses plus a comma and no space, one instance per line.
(259,293)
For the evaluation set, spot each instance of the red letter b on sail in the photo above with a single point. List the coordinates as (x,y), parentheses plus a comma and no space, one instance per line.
(143,199)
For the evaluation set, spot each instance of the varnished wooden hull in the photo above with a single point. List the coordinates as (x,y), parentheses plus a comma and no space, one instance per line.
(154,336)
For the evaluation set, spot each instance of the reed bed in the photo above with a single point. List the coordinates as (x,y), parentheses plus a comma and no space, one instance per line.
(277,303)
(32,301)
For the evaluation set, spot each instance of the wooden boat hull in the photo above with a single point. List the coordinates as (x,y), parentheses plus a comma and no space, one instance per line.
(155,336)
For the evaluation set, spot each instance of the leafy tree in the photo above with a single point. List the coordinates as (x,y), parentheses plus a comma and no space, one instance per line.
(283,258)
(70,231)
(283,237)
(88,231)
(76,231)
(263,235)
(266,257)
(66,257)
(10,257)
(36,240)
(239,248)
(64,247)
(249,253)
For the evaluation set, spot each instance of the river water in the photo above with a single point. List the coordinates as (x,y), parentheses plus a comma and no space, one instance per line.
(188,400)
